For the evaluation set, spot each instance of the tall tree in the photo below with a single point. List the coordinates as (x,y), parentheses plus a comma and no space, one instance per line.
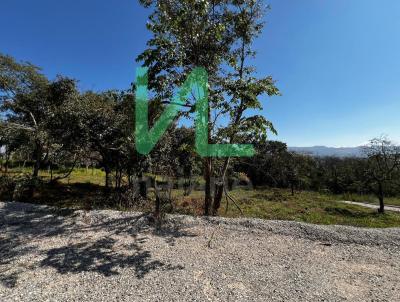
(217,35)
(34,105)
(383,167)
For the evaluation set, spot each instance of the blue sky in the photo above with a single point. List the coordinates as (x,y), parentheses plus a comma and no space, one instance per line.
(337,62)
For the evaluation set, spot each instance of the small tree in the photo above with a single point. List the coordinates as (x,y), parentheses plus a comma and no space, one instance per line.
(101,128)
(383,167)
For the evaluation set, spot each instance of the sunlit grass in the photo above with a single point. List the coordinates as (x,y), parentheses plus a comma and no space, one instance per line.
(78,175)
(311,207)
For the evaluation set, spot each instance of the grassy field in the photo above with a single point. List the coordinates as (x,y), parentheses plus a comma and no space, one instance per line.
(78,175)
(277,204)
(84,190)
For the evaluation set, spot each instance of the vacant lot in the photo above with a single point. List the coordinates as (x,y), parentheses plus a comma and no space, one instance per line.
(84,189)
(60,255)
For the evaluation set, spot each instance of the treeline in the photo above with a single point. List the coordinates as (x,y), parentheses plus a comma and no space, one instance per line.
(378,172)
(51,125)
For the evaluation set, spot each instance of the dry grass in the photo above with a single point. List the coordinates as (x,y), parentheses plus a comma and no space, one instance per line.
(84,189)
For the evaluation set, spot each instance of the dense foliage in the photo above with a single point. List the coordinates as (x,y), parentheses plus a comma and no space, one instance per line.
(218,36)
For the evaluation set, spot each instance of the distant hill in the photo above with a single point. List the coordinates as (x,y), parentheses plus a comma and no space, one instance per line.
(322,151)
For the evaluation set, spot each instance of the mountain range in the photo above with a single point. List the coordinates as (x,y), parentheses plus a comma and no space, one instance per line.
(322,151)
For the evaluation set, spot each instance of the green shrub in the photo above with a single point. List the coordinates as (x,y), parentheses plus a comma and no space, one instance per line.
(7,187)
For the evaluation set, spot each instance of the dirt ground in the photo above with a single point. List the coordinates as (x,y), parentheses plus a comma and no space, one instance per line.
(48,254)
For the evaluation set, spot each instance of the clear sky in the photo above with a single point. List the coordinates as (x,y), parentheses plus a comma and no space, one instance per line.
(337,62)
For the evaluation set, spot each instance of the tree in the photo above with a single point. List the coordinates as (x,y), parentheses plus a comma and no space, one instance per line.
(101,127)
(189,162)
(292,166)
(267,166)
(22,89)
(218,36)
(34,109)
(383,167)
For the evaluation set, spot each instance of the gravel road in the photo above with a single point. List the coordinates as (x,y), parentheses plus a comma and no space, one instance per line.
(61,255)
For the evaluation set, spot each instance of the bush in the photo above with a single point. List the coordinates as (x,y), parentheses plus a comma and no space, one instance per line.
(7,187)
(20,188)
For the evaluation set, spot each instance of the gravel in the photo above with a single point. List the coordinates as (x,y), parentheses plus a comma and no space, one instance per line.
(48,254)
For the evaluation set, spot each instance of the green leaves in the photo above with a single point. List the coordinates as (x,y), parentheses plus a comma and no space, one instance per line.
(18,77)
(218,36)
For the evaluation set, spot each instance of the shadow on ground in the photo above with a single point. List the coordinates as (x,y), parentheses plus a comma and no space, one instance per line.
(25,226)
(348,213)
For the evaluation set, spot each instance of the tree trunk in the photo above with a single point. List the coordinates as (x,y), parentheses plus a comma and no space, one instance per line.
(381,205)
(219,188)
(37,156)
(143,185)
(36,167)
(143,188)
(157,207)
(117,184)
(187,186)
(6,163)
(207,189)
(208,172)
(107,170)
(380,196)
